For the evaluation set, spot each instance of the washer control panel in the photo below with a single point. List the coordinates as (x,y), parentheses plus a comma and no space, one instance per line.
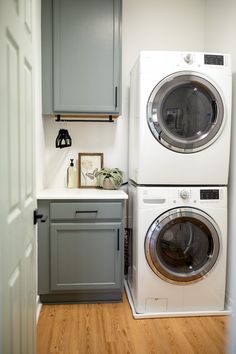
(206,194)
(194,195)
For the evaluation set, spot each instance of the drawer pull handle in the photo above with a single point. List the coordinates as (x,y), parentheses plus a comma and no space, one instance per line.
(85,212)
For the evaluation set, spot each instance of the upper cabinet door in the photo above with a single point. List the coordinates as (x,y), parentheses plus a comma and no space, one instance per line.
(85,56)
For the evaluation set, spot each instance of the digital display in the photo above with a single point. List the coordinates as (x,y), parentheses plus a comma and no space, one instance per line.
(213,59)
(209,194)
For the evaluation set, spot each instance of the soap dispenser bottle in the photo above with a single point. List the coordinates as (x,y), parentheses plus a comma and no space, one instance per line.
(72,175)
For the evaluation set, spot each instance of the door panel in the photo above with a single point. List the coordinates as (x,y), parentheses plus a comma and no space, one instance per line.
(28,132)
(13,330)
(28,15)
(17,201)
(13,131)
(28,299)
(85,256)
(182,245)
(87,81)
(185,112)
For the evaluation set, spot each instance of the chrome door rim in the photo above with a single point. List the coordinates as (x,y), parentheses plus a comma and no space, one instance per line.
(152,256)
(165,137)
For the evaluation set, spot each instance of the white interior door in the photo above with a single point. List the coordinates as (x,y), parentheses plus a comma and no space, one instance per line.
(17,241)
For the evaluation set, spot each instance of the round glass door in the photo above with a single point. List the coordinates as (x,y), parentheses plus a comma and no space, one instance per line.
(185,112)
(182,245)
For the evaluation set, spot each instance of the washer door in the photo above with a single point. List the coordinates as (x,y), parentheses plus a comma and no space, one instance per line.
(185,112)
(182,245)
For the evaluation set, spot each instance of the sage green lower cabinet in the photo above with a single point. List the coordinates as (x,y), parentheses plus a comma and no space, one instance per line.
(80,251)
(85,256)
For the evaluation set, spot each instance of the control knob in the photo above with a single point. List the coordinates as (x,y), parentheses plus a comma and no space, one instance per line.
(188,58)
(184,194)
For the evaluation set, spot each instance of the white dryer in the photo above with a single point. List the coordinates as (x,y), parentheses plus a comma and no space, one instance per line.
(178,250)
(180,118)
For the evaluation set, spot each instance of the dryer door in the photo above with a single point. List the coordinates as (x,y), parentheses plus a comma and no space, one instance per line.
(182,245)
(185,112)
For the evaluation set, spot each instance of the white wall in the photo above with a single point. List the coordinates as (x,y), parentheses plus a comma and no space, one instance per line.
(159,25)
(220,37)
(146,24)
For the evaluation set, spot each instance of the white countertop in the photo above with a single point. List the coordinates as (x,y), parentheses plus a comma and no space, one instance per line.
(80,193)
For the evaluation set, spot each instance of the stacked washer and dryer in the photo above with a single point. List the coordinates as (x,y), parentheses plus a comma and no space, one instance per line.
(179,148)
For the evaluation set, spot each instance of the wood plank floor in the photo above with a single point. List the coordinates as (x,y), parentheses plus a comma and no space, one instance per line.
(110,328)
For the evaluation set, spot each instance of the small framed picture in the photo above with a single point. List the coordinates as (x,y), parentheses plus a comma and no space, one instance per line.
(89,165)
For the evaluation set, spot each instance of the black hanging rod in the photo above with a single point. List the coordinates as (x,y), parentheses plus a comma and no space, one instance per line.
(108,119)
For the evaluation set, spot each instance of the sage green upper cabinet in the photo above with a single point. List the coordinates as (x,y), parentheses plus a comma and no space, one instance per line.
(81,56)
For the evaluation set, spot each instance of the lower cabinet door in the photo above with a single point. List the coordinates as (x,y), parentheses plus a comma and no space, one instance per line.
(85,256)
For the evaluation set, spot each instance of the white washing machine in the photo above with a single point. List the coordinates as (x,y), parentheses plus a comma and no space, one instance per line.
(180,118)
(177,259)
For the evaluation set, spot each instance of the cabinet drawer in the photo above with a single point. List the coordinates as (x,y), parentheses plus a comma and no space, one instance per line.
(79,211)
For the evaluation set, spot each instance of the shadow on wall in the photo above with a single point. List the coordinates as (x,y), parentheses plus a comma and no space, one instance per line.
(231,285)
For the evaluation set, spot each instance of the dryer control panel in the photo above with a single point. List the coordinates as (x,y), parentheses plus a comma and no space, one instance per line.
(213,59)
